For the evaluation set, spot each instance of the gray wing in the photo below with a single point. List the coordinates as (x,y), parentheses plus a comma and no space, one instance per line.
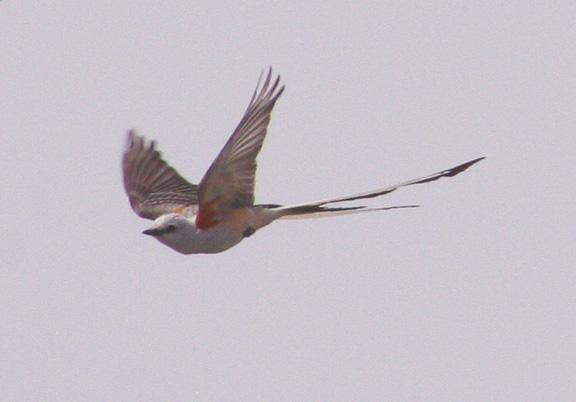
(154,188)
(229,182)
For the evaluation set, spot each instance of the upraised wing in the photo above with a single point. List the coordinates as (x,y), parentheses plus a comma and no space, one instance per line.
(229,182)
(153,187)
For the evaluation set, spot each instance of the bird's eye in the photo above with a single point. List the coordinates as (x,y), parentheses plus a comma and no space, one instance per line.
(170,228)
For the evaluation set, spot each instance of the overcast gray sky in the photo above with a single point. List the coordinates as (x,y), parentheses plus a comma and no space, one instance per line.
(471,297)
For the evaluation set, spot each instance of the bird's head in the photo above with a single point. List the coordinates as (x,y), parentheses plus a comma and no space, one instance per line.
(174,230)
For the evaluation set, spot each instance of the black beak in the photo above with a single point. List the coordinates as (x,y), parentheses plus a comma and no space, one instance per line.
(153,232)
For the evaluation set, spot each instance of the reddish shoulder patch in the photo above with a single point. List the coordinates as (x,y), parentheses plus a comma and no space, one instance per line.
(209,214)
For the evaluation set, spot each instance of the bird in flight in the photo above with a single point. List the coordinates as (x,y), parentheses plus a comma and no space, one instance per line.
(220,212)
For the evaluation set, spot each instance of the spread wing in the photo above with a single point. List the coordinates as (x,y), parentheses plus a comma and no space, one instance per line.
(153,187)
(229,182)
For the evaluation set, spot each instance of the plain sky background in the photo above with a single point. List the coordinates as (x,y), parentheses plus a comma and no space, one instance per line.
(471,297)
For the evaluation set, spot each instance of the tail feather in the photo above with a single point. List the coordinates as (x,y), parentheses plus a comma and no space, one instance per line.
(318,208)
(323,212)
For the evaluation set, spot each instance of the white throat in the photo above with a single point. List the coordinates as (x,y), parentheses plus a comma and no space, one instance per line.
(187,238)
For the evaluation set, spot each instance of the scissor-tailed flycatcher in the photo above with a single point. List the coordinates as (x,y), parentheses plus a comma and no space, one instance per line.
(220,212)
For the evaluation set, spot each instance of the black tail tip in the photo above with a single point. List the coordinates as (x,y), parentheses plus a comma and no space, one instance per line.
(464,166)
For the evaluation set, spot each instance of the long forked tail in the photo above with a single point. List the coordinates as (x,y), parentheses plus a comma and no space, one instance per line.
(322,208)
